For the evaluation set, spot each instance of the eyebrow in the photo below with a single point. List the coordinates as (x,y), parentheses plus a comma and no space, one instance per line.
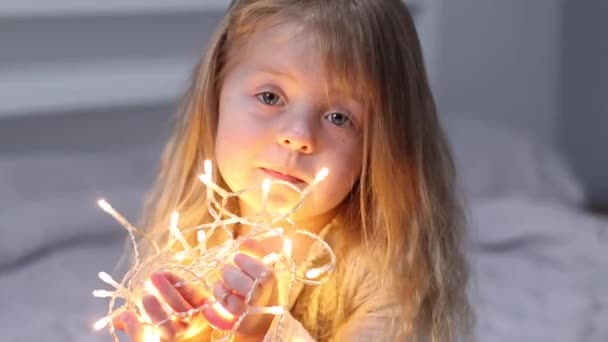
(344,95)
(275,72)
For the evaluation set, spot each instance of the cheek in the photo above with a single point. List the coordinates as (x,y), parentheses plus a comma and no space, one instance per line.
(236,146)
(224,144)
(345,169)
(227,152)
(347,161)
(232,134)
(344,178)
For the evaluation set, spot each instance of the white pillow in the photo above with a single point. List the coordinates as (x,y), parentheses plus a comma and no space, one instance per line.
(495,160)
(539,271)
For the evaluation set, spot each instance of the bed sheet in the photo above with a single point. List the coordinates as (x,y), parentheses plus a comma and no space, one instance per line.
(540,273)
(51,300)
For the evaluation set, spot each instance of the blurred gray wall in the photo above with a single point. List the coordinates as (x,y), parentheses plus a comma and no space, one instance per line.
(583,120)
(500,59)
(33,121)
(536,65)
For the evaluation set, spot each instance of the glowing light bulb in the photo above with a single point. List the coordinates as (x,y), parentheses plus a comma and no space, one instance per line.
(266,183)
(174,229)
(104,205)
(108,280)
(174,220)
(101,323)
(201,237)
(222,311)
(314,273)
(207,166)
(151,288)
(102,293)
(151,335)
(271,258)
(180,256)
(321,175)
(219,317)
(287,247)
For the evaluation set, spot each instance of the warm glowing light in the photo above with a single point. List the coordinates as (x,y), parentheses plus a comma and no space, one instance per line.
(102,293)
(209,175)
(173,226)
(201,237)
(174,220)
(101,323)
(108,280)
(271,258)
(174,229)
(104,205)
(208,167)
(151,288)
(223,312)
(266,183)
(314,273)
(151,335)
(180,256)
(273,310)
(199,263)
(321,175)
(287,247)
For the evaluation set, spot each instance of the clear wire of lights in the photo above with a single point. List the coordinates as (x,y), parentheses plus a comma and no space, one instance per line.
(202,263)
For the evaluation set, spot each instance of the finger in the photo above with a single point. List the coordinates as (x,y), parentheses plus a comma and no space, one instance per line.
(234,304)
(169,293)
(194,295)
(129,323)
(159,317)
(253,248)
(219,320)
(118,322)
(254,268)
(237,280)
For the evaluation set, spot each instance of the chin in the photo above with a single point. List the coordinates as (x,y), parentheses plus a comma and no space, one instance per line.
(279,200)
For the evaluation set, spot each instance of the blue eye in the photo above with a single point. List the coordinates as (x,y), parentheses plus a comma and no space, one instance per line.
(339,119)
(268,98)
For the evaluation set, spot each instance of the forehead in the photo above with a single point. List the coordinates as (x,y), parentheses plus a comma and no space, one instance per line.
(298,52)
(285,49)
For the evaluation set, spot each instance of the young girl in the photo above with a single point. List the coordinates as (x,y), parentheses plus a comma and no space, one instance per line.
(289,87)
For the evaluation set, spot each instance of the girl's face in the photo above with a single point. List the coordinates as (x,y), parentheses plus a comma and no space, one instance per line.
(280,118)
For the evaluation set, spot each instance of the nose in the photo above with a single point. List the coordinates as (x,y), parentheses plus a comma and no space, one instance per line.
(298,136)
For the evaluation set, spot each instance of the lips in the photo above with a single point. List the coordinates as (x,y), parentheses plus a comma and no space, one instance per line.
(282,176)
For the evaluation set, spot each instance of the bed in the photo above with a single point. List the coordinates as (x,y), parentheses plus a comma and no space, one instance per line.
(539,260)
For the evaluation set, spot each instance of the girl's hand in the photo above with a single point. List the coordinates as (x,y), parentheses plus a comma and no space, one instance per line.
(129,323)
(180,299)
(232,290)
(236,283)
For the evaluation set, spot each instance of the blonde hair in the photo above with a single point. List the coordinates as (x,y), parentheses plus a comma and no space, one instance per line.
(403,210)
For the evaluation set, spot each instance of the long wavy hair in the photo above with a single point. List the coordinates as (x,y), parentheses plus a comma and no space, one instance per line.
(403,211)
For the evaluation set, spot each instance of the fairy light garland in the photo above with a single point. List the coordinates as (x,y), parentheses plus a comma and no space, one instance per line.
(201,264)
